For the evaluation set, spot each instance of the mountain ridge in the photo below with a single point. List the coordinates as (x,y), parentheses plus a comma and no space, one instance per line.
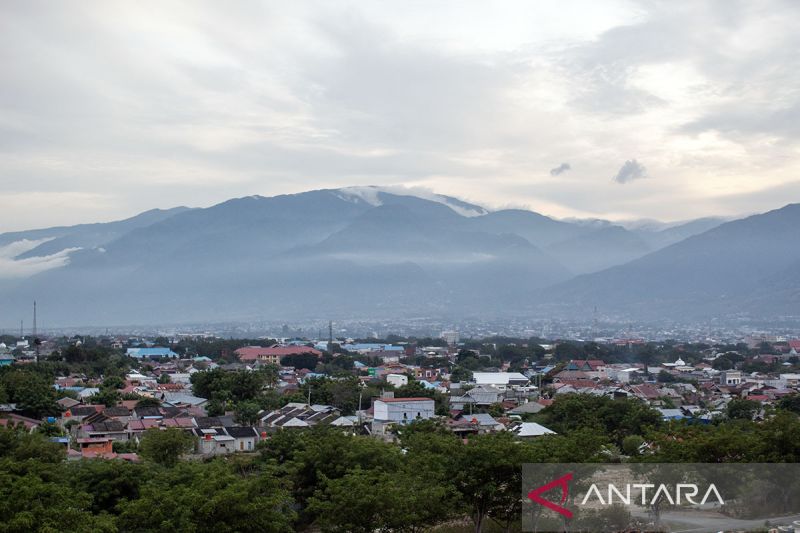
(351,251)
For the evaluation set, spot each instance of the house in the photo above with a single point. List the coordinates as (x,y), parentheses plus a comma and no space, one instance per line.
(96,447)
(671,414)
(272,354)
(346,421)
(14,419)
(596,368)
(67,403)
(483,395)
(299,415)
(79,412)
(481,422)
(527,430)
(501,380)
(403,410)
(244,438)
(391,411)
(150,411)
(123,414)
(527,408)
(430,374)
(213,441)
(182,398)
(398,380)
(100,425)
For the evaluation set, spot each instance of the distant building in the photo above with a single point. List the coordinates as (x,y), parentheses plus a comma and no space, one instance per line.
(730,377)
(364,348)
(150,353)
(398,380)
(450,337)
(501,380)
(273,354)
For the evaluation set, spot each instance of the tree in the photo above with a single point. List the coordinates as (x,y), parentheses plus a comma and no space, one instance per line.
(301,360)
(165,446)
(665,377)
(148,401)
(614,418)
(367,501)
(107,396)
(631,444)
(31,391)
(488,476)
(790,403)
(114,382)
(164,378)
(739,409)
(193,496)
(215,407)
(246,413)
(460,373)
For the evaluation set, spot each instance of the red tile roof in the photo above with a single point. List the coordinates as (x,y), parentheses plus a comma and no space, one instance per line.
(252,353)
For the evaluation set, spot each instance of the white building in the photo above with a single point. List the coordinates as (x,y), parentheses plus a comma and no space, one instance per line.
(451,337)
(501,380)
(403,410)
(730,377)
(398,380)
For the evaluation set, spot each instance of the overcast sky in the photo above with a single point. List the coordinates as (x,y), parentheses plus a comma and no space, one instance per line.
(615,109)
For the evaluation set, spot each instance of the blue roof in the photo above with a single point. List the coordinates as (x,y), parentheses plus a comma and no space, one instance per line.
(374,347)
(151,352)
(359,364)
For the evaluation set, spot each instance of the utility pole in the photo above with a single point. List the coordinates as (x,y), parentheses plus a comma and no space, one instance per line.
(35,339)
(330,336)
(360,393)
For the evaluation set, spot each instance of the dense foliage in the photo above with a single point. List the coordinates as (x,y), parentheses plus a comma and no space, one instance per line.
(325,479)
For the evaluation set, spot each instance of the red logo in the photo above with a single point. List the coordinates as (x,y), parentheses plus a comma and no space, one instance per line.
(562,482)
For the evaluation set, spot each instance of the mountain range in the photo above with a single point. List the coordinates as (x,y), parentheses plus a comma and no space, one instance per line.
(384,253)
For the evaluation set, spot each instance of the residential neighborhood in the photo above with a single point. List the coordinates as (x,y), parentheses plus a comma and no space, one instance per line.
(377,389)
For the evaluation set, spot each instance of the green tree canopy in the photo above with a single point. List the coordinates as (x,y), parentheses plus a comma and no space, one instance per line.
(165,446)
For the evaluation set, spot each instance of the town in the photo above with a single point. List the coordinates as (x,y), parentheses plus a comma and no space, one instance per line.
(184,399)
(375,388)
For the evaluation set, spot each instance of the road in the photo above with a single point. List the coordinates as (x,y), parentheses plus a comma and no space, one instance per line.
(709,521)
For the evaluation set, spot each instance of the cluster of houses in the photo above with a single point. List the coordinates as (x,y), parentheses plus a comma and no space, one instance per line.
(491,401)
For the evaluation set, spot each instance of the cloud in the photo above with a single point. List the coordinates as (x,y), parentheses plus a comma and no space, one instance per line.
(631,170)
(156,104)
(10,267)
(560,169)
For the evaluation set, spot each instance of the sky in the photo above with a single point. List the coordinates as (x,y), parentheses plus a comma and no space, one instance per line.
(611,109)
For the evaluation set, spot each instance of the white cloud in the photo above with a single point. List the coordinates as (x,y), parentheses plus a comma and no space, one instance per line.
(12,267)
(117,107)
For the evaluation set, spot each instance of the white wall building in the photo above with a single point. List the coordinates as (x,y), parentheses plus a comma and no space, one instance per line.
(398,380)
(730,377)
(403,410)
(501,380)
